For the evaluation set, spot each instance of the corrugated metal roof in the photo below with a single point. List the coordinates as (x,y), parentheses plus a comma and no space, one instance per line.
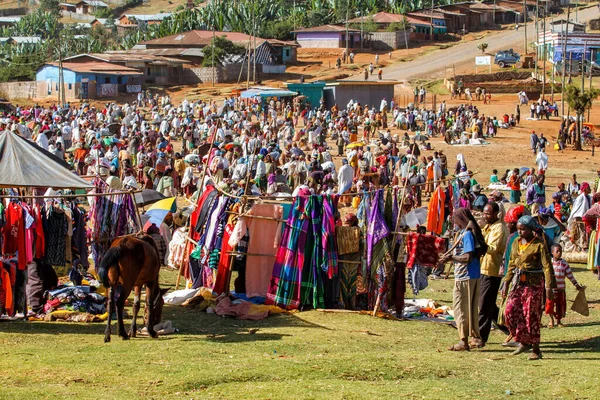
(93,3)
(22,39)
(147,17)
(379,18)
(98,67)
(326,28)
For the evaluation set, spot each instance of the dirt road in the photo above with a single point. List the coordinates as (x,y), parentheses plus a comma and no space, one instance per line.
(432,65)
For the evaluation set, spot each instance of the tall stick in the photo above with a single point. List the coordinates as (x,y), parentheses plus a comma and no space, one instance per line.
(564,61)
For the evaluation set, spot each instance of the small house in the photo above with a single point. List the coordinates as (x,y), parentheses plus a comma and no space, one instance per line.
(86,80)
(89,6)
(67,7)
(560,25)
(148,19)
(364,92)
(9,21)
(328,37)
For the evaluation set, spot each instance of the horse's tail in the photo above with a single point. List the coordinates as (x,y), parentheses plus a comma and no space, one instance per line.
(110,259)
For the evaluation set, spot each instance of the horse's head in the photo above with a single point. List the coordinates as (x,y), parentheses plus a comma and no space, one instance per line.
(157,307)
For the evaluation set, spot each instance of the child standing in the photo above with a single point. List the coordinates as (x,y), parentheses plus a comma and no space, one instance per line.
(558,307)
(494,177)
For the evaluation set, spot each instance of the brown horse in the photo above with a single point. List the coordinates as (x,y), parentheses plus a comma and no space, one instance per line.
(132,262)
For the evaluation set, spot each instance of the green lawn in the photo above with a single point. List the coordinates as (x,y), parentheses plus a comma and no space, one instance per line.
(309,355)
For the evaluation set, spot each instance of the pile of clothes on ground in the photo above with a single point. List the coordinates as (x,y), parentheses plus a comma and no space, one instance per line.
(76,303)
(235,305)
(427,310)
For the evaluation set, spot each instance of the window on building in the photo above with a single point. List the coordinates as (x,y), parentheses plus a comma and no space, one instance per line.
(70,86)
(120,80)
(107,80)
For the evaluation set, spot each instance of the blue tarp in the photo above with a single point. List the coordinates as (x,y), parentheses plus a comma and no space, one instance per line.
(575,53)
(252,93)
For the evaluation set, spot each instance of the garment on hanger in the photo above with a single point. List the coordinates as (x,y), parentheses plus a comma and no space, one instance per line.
(436,211)
(264,239)
(424,250)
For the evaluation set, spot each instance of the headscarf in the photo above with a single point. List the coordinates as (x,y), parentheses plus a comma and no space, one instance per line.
(514,214)
(529,222)
(465,220)
(460,158)
(351,220)
(584,187)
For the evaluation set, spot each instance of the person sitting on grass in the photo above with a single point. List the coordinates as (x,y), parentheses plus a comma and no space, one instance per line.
(557,308)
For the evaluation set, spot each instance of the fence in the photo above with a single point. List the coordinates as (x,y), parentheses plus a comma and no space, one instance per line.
(107,90)
(18,90)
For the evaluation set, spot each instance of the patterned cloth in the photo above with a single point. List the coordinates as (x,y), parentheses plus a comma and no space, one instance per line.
(284,289)
(417,278)
(524,311)
(376,227)
(424,249)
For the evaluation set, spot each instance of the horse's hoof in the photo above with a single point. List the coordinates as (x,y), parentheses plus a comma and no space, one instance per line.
(106,339)
(125,337)
(153,335)
(132,333)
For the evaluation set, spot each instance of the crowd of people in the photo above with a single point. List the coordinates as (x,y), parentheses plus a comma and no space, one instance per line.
(283,147)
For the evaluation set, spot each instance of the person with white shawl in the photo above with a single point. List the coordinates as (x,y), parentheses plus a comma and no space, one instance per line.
(576,228)
(542,160)
(345,177)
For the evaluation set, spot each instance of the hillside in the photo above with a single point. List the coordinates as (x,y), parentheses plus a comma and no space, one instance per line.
(148,6)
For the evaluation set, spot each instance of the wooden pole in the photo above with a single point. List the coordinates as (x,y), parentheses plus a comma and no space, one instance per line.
(583,67)
(544,55)
(564,36)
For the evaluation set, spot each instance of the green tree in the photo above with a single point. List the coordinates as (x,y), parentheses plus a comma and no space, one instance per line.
(222,48)
(278,30)
(580,101)
(483,47)
(368,25)
(398,26)
(50,6)
(106,12)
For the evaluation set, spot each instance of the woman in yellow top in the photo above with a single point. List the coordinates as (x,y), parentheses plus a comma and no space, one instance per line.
(529,269)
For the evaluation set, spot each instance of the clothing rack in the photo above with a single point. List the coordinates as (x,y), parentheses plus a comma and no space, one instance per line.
(256,216)
(68,196)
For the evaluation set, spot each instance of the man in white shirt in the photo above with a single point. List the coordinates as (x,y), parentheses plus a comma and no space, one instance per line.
(42,141)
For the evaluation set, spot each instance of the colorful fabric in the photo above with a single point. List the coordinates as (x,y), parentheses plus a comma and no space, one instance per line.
(284,288)
(224,266)
(424,249)
(348,280)
(435,211)
(376,228)
(417,278)
(523,313)
(312,292)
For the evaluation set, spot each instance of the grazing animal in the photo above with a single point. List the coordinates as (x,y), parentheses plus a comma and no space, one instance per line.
(130,263)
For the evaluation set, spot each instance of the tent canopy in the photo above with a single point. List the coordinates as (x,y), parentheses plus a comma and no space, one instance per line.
(25,164)
(266,92)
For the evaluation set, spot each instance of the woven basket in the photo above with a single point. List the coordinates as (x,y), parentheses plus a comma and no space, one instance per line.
(576,257)
(347,239)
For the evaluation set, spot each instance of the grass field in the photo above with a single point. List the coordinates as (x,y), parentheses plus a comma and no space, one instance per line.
(309,355)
